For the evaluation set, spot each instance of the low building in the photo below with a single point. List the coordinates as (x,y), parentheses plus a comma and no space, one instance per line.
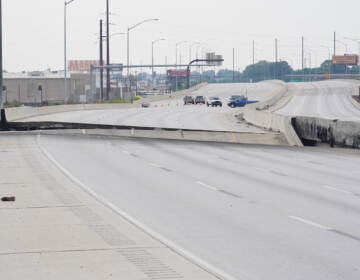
(39,88)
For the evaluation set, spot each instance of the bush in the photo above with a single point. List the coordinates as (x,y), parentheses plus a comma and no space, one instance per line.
(118,101)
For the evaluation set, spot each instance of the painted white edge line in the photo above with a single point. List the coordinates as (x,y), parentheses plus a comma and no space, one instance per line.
(336,189)
(171,245)
(311,223)
(154,165)
(207,186)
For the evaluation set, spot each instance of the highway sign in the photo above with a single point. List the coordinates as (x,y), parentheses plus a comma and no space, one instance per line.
(347,59)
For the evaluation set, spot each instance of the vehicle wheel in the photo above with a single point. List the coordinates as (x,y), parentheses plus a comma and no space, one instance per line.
(232,106)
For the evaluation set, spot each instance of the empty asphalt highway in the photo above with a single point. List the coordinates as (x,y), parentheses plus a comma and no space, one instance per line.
(254,212)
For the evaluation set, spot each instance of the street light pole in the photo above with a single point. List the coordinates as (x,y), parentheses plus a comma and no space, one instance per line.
(190,49)
(128,42)
(152,58)
(66,3)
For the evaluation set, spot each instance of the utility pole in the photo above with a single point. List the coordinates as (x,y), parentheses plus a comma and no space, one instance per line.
(302,56)
(3,116)
(233,65)
(332,65)
(276,58)
(334,43)
(152,63)
(66,3)
(107,51)
(152,58)
(101,62)
(253,52)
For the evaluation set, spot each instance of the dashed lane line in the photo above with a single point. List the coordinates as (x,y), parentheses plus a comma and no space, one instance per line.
(337,189)
(311,223)
(326,228)
(207,186)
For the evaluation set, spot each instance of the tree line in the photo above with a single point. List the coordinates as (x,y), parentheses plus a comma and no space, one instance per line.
(264,70)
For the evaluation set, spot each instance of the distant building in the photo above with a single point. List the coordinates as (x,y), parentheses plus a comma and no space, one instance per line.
(37,87)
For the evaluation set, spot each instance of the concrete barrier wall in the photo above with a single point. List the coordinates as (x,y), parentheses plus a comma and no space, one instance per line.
(355,103)
(341,133)
(265,105)
(158,133)
(259,114)
(19,113)
(273,122)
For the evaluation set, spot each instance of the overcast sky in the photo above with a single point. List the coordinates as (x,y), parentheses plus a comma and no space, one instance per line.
(33,30)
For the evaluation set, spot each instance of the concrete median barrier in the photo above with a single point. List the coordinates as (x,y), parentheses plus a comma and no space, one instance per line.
(270,138)
(260,115)
(265,105)
(273,122)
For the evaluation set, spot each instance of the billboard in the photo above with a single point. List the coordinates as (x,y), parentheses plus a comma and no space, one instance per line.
(177,73)
(347,59)
(81,65)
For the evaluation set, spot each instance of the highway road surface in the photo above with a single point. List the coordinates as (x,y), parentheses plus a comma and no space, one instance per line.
(254,212)
(246,212)
(172,112)
(326,99)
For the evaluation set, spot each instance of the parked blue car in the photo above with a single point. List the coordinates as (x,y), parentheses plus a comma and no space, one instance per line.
(239,101)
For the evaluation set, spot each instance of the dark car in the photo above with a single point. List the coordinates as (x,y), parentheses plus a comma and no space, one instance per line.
(145,105)
(188,100)
(214,102)
(200,100)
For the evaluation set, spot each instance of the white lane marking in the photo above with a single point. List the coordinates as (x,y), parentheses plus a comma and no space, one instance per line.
(311,223)
(83,131)
(157,236)
(336,189)
(126,152)
(207,186)
(154,165)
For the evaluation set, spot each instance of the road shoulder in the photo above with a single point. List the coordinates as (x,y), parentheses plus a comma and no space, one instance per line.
(56,230)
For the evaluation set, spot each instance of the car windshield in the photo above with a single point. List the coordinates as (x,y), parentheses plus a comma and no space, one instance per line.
(237,97)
